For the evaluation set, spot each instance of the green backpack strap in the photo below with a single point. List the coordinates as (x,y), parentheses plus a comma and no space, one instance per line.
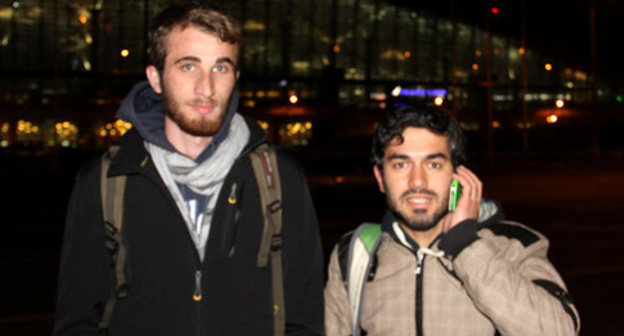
(112,195)
(264,163)
(357,260)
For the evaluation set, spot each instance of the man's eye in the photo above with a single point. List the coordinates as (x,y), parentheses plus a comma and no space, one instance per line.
(220,68)
(188,67)
(399,165)
(434,165)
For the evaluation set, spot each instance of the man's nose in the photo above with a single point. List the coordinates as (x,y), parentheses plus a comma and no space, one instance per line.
(417,178)
(204,85)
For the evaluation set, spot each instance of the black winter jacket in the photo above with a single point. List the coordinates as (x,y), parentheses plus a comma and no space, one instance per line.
(163,263)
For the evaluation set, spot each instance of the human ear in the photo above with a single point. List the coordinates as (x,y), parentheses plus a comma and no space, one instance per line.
(153,77)
(379,177)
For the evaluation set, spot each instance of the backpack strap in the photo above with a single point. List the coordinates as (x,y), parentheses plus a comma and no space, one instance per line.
(358,269)
(264,163)
(112,195)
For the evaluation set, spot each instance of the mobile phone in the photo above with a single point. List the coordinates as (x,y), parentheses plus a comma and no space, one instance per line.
(454,195)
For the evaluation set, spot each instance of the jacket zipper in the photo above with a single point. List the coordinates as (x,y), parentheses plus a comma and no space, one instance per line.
(197,297)
(419,293)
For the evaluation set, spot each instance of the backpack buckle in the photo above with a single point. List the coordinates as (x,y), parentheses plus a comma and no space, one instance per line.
(274,206)
(276,242)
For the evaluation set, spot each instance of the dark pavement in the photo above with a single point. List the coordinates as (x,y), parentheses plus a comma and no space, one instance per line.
(577,205)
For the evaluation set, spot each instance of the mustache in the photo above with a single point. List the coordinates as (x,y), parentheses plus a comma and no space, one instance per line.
(209,102)
(419,191)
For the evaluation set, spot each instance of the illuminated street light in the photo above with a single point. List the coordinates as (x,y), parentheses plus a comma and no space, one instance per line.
(438,101)
(293,99)
(396,91)
(559,103)
(548,66)
(551,119)
(124,53)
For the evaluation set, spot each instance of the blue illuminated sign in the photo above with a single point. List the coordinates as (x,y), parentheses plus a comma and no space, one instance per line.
(423,92)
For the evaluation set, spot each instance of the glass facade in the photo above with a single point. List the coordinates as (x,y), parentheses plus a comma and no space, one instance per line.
(71,62)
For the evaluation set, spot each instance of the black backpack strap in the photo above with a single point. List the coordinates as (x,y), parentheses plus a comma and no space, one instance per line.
(264,163)
(112,195)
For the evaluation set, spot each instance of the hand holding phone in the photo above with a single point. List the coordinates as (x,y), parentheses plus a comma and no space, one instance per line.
(464,198)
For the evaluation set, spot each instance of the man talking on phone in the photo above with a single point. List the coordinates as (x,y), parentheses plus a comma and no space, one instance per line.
(431,269)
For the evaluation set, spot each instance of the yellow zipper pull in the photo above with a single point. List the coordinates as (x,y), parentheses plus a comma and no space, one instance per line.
(197,295)
(232,198)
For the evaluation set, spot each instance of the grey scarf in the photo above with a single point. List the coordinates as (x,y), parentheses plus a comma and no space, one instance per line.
(204,178)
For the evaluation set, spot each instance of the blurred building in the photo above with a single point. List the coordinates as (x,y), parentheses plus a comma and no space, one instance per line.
(311,69)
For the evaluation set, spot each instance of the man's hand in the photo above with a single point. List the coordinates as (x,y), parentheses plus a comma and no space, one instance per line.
(469,202)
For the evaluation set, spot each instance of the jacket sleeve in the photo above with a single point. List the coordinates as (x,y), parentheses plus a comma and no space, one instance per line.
(337,312)
(505,270)
(83,283)
(302,253)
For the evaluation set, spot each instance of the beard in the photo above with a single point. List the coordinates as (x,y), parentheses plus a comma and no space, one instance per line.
(418,220)
(203,125)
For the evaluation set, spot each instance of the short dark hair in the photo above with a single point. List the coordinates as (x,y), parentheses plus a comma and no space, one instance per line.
(428,117)
(202,14)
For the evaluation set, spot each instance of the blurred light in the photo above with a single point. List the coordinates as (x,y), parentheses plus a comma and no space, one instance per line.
(5,40)
(494,10)
(438,101)
(618,98)
(379,96)
(83,19)
(86,64)
(293,99)
(497,52)
(249,103)
(478,53)
(559,103)
(273,94)
(475,66)
(4,143)
(15,4)
(283,83)
(88,38)
(396,91)
(570,85)
(407,54)
(339,179)
(496,124)
(521,50)
(522,125)
(260,94)
(336,48)
(548,66)
(551,119)
(308,125)
(124,53)
(264,125)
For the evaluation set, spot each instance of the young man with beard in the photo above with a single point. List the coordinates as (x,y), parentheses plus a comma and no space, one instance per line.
(192,217)
(435,272)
